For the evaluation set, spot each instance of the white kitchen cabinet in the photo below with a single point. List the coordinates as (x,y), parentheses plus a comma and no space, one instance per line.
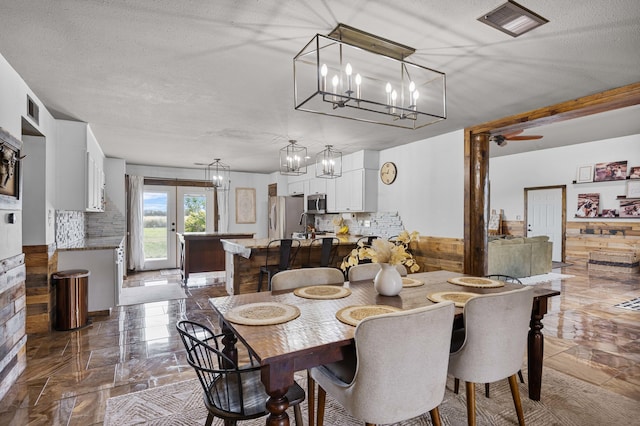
(317,186)
(354,191)
(79,168)
(296,188)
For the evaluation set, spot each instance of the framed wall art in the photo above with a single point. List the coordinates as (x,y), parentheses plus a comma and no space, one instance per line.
(615,170)
(588,205)
(633,189)
(245,205)
(585,173)
(10,177)
(630,208)
(634,173)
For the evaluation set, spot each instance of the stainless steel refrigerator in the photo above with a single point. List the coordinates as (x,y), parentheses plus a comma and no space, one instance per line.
(285,214)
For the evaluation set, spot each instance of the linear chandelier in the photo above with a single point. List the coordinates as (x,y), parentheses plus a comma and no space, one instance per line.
(360,76)
(218,174)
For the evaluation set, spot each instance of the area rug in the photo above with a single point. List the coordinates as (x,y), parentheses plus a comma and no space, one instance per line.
(565,401)
(633,304)
(155,293)
(537,279)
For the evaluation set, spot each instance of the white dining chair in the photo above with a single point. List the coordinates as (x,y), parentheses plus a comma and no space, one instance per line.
(496,327)
(390,380)
(294,278)
(368,271)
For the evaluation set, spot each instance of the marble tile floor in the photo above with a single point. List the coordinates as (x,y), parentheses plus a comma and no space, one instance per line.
(70,375)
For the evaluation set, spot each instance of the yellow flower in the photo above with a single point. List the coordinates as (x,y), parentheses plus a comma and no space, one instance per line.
(384,251)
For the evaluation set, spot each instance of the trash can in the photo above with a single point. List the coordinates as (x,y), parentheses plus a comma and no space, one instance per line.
(72,298)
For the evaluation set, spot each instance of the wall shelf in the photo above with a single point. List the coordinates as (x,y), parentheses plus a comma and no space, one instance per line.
(601,181)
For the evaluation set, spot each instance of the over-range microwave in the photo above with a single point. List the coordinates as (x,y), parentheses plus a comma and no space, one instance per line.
(317,203)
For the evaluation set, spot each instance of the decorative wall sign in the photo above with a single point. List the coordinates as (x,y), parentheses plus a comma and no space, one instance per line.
(585,173)
(588,205)
(245,205)
(615,170)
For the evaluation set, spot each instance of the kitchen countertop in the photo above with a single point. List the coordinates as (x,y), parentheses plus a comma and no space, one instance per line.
(243,247)
(95,243)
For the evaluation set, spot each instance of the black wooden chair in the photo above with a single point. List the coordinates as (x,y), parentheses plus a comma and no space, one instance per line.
(460,333)
(231,392)
(279,256)
(328,251)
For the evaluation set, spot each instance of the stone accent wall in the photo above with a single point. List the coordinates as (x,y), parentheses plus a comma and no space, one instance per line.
(41,262)
(13,338)
(70,227)
(105,224)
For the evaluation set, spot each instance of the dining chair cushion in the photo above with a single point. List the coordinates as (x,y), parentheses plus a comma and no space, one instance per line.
(401,367)
(495,338)
(294,278)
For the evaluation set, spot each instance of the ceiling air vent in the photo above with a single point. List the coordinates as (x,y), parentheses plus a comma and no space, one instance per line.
(513,19)
(33,111)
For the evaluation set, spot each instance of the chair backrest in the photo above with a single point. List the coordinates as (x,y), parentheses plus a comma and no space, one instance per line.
(368,271)
(402,361)
(365,242)
(505,278)
(284,250)
(295,278)
(496,327)
(328,251)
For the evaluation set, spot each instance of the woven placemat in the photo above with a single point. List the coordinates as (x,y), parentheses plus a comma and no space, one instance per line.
(262,313)
(459,298)
(476,282)
(410,282)
(322,292)
(352,315)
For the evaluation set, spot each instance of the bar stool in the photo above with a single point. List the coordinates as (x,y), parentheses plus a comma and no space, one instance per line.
(283,252)
(328,250)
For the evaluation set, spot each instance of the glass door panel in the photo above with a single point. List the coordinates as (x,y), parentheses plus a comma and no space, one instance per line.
(159,227)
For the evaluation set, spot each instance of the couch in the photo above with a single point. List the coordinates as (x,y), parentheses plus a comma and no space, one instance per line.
(520,257)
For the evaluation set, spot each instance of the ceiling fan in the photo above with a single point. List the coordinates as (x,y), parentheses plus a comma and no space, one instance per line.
(501,140)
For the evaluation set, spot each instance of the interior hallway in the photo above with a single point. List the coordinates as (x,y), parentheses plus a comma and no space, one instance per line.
(70,375)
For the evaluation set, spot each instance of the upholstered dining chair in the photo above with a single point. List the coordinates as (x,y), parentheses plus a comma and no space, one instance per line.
(231,392)
(368,271)
(496,327)
(389,380)
(279,256)
(295,278)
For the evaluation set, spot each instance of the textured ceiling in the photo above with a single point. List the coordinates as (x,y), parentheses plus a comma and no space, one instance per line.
(173,83)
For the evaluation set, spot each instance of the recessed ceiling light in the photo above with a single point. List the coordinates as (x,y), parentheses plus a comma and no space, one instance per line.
(513,19)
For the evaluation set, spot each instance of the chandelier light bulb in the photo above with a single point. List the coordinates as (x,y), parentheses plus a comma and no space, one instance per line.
(412,87)
(358,83)
(348,70)
(324,70)
(323,73)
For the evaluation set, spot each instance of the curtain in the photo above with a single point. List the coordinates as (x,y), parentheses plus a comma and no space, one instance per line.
(223,210)
(136,233)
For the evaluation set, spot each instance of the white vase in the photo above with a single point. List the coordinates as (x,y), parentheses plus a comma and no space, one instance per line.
(388,281)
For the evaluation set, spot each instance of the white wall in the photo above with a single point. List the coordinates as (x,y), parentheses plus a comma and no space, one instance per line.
(510,174)
(429,190)
(13,106)
(238,180)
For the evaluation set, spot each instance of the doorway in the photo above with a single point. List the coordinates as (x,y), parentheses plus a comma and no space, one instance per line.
(545,209)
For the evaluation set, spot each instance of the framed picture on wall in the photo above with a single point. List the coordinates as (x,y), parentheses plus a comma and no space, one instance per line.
(245,205)
(630,208)
(614,170)
(9,170)
(585,173)
(588,205)
(633,189)
(634,173)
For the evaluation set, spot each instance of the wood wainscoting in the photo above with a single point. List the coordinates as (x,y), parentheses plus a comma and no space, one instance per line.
(585,237)
(437,253)
(41,261)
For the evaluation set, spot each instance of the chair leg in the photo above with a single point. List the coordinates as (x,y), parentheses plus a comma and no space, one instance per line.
(471,403)
(435,417)
(297,412)
(322,398)
(209,419)
(486,390)
(311,397)
(520,376)
(515,393)
(456,385)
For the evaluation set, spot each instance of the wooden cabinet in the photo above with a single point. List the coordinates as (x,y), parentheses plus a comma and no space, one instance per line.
(80,176)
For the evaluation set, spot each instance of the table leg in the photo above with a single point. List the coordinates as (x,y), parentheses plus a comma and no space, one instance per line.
(229,342)
(535,348)
(277,378)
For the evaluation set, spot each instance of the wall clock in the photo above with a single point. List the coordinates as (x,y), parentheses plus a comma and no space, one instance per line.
(388,173)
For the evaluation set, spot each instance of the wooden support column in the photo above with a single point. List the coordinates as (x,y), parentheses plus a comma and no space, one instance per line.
(476,202)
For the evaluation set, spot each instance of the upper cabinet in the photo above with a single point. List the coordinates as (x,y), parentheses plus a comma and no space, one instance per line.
(357,189)
(80,176)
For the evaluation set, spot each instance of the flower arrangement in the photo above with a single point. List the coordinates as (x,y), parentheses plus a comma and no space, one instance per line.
(384,251)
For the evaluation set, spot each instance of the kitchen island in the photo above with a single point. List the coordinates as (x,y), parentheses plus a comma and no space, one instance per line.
(243,259)
(202,251)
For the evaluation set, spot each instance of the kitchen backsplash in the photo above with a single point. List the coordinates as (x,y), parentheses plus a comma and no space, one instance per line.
(382,224)
(69,227)
(111,222)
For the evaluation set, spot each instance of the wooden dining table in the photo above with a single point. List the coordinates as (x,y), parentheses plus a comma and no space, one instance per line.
(317,337)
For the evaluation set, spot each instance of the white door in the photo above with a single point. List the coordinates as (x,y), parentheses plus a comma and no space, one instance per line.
(159,227)
(195,209)
(544,217)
